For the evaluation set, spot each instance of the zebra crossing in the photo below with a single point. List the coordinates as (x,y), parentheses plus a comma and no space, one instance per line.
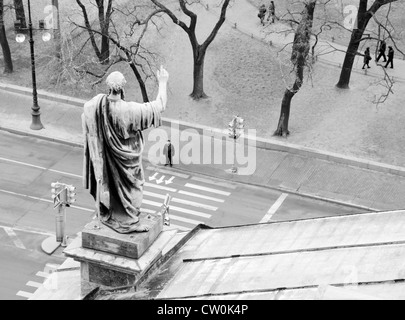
(35,285)
(194,200)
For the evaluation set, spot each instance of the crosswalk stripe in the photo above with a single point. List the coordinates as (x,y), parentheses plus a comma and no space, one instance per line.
(174,208)
(190,203)
(191,221)
(194,186)
(24,294)
(217,183)
(191,194)
(173,173)
(156,186)
(42,274)
(34,284)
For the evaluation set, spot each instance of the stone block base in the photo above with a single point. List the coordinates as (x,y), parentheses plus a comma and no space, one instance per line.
(131,245)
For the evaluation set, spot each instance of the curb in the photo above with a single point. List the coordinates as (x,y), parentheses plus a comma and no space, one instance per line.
(306,195)
(261,143)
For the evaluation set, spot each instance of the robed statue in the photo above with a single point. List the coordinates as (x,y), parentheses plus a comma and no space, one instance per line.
(113,146)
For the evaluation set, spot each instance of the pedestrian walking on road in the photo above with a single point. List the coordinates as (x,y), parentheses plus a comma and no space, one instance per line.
(367,58)
(262,13)
(390,57)
(168,151)
(272,12)
(381,51)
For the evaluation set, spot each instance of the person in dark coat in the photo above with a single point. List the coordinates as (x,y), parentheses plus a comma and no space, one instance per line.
(390,57)
(168,151)
(381,51)
(367,58)
(262,13)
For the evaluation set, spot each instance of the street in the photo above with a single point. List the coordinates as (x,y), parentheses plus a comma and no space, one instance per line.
(29,166)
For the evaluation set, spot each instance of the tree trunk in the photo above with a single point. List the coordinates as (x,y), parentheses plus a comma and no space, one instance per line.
(104,57)
(8,63)
(282,127)
(351,53)
(363,17)
(299,57)
(20,13)
(198,75)
(56,31)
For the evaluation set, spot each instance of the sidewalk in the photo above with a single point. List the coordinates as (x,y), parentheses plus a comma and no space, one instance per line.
(285,167)
(326,51)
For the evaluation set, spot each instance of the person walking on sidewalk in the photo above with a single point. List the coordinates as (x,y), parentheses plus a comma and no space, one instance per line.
(272,12)
(262,13)
(390,57)
(367,58)
(381,51)
(168,151)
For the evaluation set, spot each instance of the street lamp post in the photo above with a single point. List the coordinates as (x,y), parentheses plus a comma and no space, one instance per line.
(36,114)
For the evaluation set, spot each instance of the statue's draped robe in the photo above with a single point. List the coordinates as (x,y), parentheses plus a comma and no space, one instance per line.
(113,149)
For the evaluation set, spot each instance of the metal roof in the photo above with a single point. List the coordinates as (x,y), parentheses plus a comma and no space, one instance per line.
(364,253)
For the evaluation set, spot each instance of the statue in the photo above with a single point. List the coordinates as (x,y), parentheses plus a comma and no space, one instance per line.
(113,145)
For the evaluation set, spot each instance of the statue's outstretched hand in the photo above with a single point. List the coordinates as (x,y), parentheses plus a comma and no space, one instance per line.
(162,75)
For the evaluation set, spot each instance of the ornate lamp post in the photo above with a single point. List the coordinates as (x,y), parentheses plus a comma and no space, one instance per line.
(36,114)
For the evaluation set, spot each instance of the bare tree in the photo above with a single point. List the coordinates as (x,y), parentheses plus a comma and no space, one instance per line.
(127,46)
(199,50)
(104,18)
(8,62)
(299,59)
(364,15)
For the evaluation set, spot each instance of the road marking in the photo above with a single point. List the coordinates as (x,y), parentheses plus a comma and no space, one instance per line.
(191,221)
(173,173)
(17,242)
(194,186)
(29,231)
(274,208)
(147,184)
(34,284)
(191,194)
(42,274)
(41,199)
(217,183)
(24,294)
(186,202)
(174,208)
(39,167)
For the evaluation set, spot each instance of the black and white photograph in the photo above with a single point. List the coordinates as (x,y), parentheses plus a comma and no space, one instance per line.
(202,157)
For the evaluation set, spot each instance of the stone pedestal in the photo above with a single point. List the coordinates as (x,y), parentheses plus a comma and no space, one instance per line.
(112,260)
(127,245)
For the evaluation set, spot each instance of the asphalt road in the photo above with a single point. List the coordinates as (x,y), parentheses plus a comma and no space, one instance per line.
(28,166)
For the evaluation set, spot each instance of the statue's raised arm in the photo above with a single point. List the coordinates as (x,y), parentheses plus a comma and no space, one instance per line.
(163,77)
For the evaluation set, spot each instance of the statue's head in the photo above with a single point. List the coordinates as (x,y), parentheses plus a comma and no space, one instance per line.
(116,82)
